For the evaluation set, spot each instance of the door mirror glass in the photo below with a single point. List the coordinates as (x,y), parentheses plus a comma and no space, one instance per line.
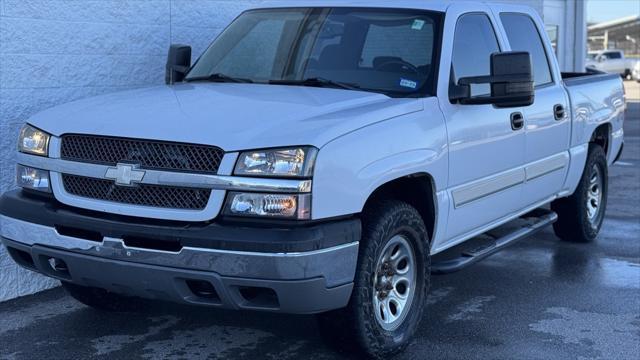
(511,82)
(178,63)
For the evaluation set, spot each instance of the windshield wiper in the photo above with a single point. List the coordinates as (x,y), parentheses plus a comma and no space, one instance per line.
(316,82)
(219,77)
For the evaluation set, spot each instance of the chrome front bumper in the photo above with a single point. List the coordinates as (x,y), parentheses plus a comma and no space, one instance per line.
(336,265)
(302,282)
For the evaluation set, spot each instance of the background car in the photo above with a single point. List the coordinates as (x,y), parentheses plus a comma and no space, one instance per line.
(611,61)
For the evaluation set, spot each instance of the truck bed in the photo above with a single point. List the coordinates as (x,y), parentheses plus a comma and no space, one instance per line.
(591,75)
(596,98)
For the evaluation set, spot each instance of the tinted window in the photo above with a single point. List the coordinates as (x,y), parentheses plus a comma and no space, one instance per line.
(523,36)
(613,55)
(383,50)
(413,44)
(473,44)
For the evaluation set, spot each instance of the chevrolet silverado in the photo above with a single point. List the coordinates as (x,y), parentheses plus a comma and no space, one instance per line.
(316,159)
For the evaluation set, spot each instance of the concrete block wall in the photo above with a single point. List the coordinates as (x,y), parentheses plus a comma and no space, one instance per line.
(56,51)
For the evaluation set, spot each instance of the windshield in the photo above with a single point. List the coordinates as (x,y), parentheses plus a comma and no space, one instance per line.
(381,50)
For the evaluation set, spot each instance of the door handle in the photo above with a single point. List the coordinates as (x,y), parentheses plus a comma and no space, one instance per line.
(517,121)
(558,112)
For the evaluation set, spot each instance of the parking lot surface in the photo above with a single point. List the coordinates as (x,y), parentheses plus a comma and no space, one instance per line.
(539,299)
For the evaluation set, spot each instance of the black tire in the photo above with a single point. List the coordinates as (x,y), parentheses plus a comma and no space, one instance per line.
(357,323)
(574,223)
(103,300)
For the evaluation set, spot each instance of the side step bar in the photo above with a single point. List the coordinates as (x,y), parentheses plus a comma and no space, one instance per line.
(540,219)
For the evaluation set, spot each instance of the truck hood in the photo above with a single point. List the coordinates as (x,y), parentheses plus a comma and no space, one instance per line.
(231,116)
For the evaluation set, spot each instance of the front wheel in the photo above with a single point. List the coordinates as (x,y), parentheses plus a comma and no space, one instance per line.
(581,215)
(391,284)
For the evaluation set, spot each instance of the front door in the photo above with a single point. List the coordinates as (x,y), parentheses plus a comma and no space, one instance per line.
(486,153)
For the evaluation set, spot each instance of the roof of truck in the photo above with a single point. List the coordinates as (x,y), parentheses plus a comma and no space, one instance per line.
(433,5)
(439,5)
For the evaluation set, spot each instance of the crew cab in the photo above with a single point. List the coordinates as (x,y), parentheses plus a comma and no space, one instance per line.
(612,61)
(317,159)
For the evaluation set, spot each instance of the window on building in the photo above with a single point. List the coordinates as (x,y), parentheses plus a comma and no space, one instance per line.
(552,32)
(474,42)
(523,35)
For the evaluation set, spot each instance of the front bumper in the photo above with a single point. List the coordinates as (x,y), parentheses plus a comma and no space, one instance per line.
(246,269)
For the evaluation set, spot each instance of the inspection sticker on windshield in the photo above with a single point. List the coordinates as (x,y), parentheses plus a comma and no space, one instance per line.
(418,24)
(408,83)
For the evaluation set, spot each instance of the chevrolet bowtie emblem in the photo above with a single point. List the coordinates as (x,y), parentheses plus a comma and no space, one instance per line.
(125,174)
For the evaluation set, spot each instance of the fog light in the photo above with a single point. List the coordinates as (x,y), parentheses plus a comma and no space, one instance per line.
(269,205)
(31,178)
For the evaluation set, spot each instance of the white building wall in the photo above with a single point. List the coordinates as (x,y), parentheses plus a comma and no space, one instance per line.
(570,17)
(554,14)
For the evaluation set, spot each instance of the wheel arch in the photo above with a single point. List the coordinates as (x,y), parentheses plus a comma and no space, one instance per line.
(417,190)
(602,136)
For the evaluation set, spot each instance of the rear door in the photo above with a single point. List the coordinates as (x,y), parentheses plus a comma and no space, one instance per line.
(485,153)
(547,121)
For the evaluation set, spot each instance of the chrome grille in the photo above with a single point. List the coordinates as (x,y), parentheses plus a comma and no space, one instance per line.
(143,194)
(149,154)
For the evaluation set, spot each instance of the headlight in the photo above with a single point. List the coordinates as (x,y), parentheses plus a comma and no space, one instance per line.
(33,141)
(31,178)
(291,162)
(297,207)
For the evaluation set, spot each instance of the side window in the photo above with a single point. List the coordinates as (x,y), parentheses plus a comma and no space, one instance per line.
(474,42)
(524,36)
(613,55)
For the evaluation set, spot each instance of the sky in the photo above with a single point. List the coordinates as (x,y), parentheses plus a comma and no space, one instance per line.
(603,10)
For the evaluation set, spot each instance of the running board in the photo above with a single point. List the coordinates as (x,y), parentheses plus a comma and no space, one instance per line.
(540,218)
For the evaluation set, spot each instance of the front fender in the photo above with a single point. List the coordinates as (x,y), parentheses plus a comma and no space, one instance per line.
(396,166)
(350,168)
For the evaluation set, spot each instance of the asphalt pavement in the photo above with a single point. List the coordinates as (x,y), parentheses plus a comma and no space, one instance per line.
(539,299)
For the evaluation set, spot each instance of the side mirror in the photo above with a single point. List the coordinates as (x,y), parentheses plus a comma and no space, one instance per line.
(511,82)
(601,58)
(178,63)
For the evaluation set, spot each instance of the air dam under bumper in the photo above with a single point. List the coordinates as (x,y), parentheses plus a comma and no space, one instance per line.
(297,282)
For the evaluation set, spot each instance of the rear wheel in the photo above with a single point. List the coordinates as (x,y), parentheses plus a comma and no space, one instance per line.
(628,75)
(391,284)
(103,300)
(581,215)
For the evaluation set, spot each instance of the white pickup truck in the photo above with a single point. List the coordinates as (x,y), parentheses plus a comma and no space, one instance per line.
(316,159)
(612,61)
